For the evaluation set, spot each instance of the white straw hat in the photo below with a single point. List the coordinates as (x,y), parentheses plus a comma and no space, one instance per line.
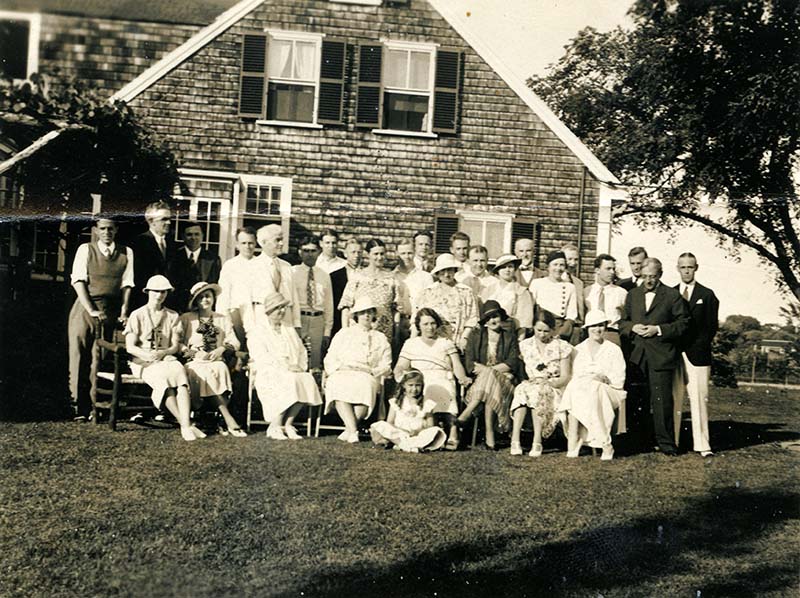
(363,303)
(445,261)
(595,317)
(158,283)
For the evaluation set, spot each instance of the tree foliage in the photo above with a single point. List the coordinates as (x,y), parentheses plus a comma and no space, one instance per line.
(696,104)
(101,147)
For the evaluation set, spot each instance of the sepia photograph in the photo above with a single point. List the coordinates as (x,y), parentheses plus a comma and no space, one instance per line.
(399,298)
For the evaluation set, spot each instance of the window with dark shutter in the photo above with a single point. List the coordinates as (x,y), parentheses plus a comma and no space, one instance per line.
(445,226)
(368,102)
(331,81)
(522,228)
(14,42)
(446,90)
(253,75)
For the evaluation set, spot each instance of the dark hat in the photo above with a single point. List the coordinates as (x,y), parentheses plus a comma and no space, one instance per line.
(491,309)
(555,255)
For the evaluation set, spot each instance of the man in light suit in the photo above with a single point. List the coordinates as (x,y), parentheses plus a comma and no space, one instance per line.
(656,318)
(271,274)
(313,287)
(191,264)
(572,275)
(152,250)
(695,372)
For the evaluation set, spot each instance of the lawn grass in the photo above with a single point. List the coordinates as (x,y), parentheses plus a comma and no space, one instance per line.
(87,512)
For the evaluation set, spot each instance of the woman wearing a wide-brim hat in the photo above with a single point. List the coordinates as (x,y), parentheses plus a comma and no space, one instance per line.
(152,338)
(492,358)
(514,298)
(207,337)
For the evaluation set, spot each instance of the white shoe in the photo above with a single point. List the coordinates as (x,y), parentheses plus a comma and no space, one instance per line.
(516,449)
(197,431)
(706,453)
(536,450)
(353,438)
(291,433)
(187,434)
(237,433)
(344,436)
(608,453)
(275,433)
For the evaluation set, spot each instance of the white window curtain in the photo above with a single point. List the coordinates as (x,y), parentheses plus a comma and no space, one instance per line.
(280,54)
(305,60)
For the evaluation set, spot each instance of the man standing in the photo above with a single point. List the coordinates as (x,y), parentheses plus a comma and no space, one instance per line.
(411,281)
(422,250)
(234,279)
(703,308)
(571,275)
(459,247)
(656,318)
(153,249)
(271,274)
(605,296)
(636,258)
(523,249)
(480,281)
(192,263)
(329,259)
(102,276)
(313,286)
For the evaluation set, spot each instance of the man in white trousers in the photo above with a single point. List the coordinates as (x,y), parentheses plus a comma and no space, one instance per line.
(695,369)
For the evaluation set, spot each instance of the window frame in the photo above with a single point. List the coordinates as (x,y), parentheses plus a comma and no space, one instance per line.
(238,212)
(34,34)
(294,36)
(506,219)
(409,47)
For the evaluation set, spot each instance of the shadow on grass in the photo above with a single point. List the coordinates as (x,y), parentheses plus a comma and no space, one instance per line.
(719,533)
(732,435)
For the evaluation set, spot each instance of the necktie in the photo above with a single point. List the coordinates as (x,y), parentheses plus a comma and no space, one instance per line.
(310,288)
(276,276)
(162,246)
(686,293)
(601,300)
(194,256)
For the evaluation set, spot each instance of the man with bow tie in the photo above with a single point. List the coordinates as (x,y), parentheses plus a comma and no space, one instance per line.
(313,286)
(693,376)
(102,276)
(191,264)
(656,319)
(523,249)
(153,249)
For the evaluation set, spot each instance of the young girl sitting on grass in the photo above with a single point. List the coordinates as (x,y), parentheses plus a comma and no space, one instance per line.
(409,425)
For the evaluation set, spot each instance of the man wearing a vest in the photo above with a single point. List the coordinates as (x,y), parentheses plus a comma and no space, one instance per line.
(102,276)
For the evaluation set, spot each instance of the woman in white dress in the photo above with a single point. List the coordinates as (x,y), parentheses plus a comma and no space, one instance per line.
(152,338)
(356,363)
(514,298)
(207,336)
(438,360)
(595,392)
(556,295)
(280,361)
(547,364)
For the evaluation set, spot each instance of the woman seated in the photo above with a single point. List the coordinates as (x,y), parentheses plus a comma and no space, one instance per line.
(207,335)
(357,361)
(595,391)
(547,365)
(514,298)
(492,356)
(409,425)
(152,338)
(280,361)
(438,360)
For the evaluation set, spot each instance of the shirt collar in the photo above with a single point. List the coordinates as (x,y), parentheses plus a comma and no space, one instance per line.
(106,249)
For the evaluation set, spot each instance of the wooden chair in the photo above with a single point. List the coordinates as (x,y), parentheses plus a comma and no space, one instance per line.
(116,389)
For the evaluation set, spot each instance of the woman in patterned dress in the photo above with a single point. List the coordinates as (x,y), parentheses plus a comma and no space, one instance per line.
(492,356)
(207,336)
(454,302)
(547,365)
(376,283)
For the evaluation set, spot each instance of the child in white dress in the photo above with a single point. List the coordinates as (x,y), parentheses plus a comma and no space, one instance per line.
(409,425)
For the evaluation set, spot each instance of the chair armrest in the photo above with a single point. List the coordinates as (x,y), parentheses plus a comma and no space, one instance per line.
(109,346)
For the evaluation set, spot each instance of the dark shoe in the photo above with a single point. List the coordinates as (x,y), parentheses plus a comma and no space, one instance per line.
(669,452)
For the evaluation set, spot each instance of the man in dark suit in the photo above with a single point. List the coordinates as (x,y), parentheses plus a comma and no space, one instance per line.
(152,250)
(656,318)
(636,257)
(191,264)
(695,372)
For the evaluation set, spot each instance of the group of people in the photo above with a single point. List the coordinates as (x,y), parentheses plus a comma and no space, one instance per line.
(448,337)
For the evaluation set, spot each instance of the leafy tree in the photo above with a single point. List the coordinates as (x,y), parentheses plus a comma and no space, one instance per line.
(696,105)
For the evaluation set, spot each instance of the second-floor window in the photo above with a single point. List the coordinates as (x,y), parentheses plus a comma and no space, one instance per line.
(408,73)
(293,77)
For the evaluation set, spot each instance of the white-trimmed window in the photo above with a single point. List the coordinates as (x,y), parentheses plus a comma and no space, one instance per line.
(19,43)
(266,200)
(493,231)
(293,76)
(408,76)
(208,203)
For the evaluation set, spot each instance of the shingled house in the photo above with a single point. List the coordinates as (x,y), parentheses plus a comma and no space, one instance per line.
(375,117)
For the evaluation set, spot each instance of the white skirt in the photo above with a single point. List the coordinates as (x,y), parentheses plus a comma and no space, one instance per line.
(280,389)
(440,387)
(427,439)
(595,404)
(160,376)
(208,378)
(348,386)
